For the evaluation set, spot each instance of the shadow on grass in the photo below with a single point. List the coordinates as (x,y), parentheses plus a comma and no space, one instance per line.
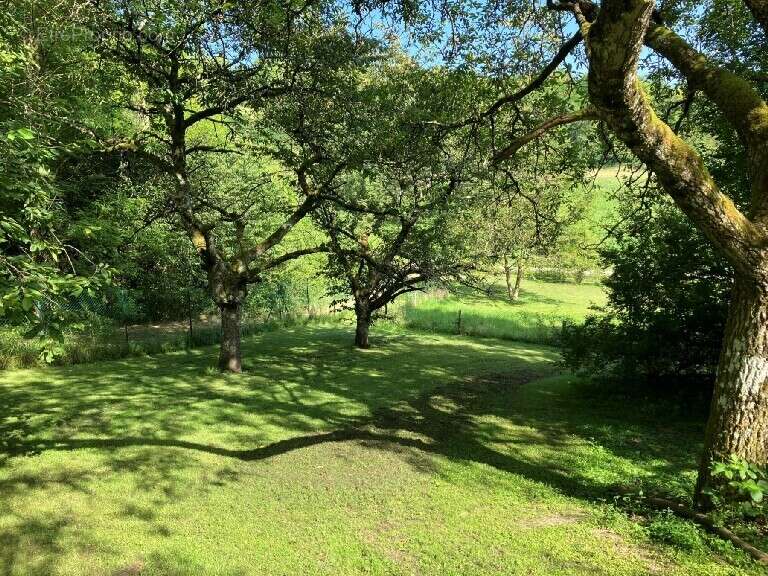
(437,396)
(440,419)
(498,293)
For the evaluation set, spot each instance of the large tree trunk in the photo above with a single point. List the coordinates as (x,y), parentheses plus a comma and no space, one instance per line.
(230,357)
(738,419)
(363,316)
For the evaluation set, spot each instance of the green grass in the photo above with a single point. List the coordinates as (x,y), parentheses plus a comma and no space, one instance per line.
(428,454)
(536,317)
(103,340)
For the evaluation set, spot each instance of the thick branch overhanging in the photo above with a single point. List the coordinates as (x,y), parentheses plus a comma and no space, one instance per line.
(587,113)
(255,275)
(280,232)
(734,96)
(614,41)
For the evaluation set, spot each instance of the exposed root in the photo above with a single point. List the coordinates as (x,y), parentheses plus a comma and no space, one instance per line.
(706,522)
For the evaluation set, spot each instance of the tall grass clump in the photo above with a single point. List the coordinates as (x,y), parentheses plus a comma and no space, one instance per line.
(454,318)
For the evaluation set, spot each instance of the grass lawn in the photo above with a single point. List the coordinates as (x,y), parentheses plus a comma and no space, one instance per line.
(427,454)
(536,317)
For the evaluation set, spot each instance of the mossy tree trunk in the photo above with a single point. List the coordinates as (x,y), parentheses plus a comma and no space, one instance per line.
(615,33)
(738,420)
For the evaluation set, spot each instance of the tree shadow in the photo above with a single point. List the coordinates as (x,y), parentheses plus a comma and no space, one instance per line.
(447,420)
(416,395)
(498,293)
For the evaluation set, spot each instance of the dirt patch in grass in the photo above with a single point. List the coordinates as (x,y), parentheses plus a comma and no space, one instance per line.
(654,562)
(132,569)
(554,519)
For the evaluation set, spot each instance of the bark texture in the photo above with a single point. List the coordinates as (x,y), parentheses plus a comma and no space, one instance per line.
(363,324)
(738,420)
(230,356)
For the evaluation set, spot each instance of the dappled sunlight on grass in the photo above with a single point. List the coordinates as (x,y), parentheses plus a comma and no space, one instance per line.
(427,454)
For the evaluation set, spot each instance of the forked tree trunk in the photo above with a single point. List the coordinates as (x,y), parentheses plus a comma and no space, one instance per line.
(230,357)
(738,419)
(513,291)
(518,280)
(508,277)
(363,326)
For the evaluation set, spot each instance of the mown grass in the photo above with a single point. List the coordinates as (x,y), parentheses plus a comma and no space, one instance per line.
(537,317)
(428,454)
(107,341)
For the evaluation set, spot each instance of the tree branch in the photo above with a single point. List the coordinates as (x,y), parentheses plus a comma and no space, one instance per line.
(614,42)
(545,73)
(587,113)
(287,257)
(280,232)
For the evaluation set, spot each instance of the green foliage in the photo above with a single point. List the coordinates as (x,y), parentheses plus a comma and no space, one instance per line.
(34,281)
(555,275)
(739,486)
(667,528)
(667,295)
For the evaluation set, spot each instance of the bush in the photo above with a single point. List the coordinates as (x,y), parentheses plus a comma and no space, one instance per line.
(667,303)
(554,275)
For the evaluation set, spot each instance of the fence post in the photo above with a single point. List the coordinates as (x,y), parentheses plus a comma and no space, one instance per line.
(458,323)
(189,314)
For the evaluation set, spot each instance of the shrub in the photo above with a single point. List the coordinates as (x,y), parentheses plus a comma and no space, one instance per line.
(741,489)
(554,275)
(667,301)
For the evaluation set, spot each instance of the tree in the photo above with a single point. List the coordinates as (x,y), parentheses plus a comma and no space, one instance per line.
(615,33)
(194,63)
(41,269)
(391,245)
(520,214)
